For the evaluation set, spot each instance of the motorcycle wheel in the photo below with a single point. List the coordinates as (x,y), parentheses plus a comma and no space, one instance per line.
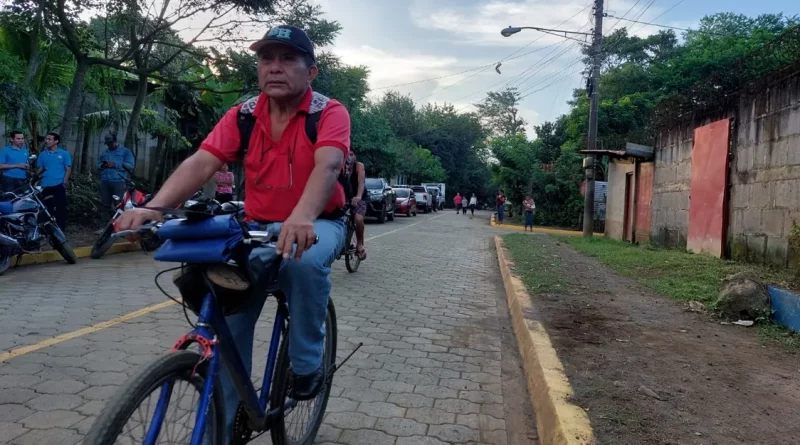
(103,243)
(63,248)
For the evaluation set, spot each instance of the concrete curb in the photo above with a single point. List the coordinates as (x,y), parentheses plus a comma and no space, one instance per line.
(51,256)
(493,223)
(559,422)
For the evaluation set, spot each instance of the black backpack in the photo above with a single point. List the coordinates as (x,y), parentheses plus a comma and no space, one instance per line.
(246,122)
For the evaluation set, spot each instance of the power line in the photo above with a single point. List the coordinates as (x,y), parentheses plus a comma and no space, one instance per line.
(652,24)
(628,12)
(507,57)
(551,84)
(668,10)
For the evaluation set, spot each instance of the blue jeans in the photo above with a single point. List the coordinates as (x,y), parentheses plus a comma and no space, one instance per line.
(501,212)
(307,285)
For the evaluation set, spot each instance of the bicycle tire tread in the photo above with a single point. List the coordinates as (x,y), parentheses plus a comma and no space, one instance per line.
(107,425)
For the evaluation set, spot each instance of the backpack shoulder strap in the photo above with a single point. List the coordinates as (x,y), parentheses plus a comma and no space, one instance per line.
(246,122)
(318,104)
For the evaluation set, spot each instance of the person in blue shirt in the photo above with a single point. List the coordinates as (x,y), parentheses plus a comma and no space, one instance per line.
(114,164)
(55,166)
(14,163)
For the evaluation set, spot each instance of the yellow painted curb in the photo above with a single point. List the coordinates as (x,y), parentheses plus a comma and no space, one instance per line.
(559,422)
(549,231)
(52,256)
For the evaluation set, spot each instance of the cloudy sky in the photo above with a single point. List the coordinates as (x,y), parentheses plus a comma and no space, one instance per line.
(404,41)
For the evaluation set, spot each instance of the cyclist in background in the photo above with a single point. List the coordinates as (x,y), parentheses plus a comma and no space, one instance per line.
(358,201)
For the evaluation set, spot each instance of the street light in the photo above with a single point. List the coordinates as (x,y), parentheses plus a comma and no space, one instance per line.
(510,31)
(597,36)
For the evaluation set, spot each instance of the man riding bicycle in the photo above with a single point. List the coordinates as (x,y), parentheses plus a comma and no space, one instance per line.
(356,191)
(291,186)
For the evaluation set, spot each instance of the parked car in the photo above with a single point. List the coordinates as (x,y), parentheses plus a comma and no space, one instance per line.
(406,202)
(442,195)
(380,199)
(424,198)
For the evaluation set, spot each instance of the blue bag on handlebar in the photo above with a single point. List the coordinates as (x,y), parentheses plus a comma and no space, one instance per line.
(214,250)
(222,226)
(210,240)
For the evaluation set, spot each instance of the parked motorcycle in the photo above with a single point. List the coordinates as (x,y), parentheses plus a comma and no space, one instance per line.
(26,225)
(131,199)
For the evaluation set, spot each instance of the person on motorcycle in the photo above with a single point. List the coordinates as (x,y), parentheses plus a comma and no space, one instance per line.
(14,163)
(292,186)
(358,190)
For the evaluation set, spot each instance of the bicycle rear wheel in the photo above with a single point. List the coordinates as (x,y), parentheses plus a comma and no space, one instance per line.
(129,415)
(351,259)
(301,422)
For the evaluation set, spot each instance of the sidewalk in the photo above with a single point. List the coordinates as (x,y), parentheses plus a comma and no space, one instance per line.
(545,230)
(644,369)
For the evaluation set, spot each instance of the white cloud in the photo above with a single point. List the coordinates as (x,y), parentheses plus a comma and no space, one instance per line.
(481,23)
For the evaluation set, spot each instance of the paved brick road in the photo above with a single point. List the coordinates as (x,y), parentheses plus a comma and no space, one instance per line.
(438,364)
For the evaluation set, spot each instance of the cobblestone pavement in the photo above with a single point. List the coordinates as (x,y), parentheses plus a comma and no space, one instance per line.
(439,364)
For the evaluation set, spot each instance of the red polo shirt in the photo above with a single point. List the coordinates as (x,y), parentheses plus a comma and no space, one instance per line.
(276,172)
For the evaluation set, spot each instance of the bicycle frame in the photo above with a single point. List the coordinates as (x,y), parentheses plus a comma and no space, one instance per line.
(214,337)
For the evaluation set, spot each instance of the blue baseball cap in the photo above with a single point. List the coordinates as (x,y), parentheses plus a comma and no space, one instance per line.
(286,35)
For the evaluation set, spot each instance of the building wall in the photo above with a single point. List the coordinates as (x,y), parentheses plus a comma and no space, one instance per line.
(765,174)
(615,204)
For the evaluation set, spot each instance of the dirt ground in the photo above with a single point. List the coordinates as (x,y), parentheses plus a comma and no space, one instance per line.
(649,372)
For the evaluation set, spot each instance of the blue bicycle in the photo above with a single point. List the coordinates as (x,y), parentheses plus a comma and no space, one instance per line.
(178,398)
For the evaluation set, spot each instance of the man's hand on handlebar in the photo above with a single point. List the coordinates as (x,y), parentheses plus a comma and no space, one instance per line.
(299,230)
(134,218)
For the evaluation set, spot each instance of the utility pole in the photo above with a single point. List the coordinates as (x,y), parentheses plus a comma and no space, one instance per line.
(594,98)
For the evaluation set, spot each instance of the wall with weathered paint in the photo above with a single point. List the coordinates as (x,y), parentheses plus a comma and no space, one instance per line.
(764,177)
(615,204)
(765,174)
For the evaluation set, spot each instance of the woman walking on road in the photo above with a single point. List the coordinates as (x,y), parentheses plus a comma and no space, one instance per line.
(457,201)
(529,206)
(473,202)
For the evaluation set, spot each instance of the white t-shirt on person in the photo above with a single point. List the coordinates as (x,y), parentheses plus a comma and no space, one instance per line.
(473,201)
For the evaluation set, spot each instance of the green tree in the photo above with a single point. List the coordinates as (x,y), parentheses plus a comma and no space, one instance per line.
(499,112)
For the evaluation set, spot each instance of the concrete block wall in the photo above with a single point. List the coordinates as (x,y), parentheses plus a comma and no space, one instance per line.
(765,174)
(615,205)
(671,184)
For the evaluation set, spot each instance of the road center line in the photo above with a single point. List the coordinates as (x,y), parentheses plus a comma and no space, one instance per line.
(83,331)
(8,355)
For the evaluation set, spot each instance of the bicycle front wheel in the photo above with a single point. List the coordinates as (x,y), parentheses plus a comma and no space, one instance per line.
(162,397)
(302,420)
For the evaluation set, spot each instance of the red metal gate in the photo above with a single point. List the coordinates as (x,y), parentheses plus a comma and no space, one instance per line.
(644,198)
(709,190)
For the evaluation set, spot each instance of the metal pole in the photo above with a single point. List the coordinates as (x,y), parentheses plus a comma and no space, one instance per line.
(588,163)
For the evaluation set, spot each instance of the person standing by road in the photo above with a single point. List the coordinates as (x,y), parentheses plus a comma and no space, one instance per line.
(55,166)
(529,206)
(500,203)
(224,181)
(457,201)
(115,164)
(14,162)
(473,202)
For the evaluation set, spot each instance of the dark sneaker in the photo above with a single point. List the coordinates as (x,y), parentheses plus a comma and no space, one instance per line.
(307,387)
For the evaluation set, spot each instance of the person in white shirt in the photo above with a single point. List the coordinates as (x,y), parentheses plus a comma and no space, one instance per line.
(473,202)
